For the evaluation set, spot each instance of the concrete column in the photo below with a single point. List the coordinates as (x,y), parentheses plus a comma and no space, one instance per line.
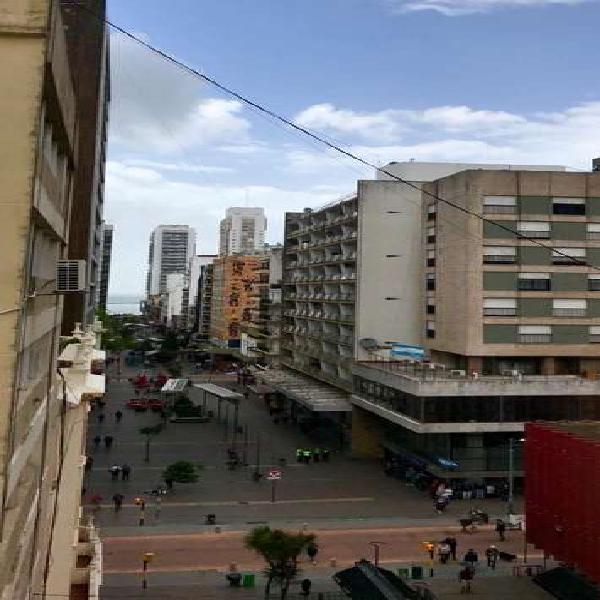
(548,365)
(367,434)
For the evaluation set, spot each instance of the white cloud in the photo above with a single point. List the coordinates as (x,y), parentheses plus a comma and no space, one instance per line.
(181,167)
(453,8)
(326,117)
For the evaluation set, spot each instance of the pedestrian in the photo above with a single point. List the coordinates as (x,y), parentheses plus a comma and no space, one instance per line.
(97,441)
(466,577)
(118,416)
(125,472)
(316,454)
(430,549)
(299,454)
(440,504)
(443,552)
(305,586)
(307,455)
(100,418)
(312,550)
(471,557)
(451,541)
(491,554)
(501,529)
(108,441)
(114,472)
(118,501)
(325,454)
(169,483)
(89,463)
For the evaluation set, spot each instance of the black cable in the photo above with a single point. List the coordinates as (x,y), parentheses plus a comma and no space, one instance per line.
(321,139)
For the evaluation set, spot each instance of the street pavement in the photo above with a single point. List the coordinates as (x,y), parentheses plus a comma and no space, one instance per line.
(346,502)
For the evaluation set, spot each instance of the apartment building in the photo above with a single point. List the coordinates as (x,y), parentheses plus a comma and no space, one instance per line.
(510,322)
(88,54)
(232,295)
(38,154)
(242,231)
(261,325)
(170,251)
(105,259)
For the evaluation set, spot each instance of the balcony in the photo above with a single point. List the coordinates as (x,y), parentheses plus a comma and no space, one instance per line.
(86,575)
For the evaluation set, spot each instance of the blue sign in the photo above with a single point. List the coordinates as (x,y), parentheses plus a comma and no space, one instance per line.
(408,351)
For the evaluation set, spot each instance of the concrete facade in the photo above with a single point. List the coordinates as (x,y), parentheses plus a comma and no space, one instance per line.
(38,174)
(105,260)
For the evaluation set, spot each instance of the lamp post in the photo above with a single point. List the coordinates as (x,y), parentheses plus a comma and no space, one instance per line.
(146,559)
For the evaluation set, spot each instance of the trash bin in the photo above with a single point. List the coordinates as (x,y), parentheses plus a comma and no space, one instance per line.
(248,580)
(416,572)
(404,572)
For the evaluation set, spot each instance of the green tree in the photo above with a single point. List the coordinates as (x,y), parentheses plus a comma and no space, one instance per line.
(280,549)
(182,471)
(149,432)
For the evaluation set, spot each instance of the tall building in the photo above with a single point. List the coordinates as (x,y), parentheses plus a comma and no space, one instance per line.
(510,325)
(194,291)
(88,53)
(40,453)
(105,259)
(205,287)
(242,231)
(231,297)
(261,325)
(171,250)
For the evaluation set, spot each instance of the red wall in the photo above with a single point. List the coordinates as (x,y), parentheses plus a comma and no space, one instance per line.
(562,496)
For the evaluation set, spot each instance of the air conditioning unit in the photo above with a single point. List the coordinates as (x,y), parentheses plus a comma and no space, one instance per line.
(70,276)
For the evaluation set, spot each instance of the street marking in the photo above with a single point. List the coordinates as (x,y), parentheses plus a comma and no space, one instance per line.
(253,502)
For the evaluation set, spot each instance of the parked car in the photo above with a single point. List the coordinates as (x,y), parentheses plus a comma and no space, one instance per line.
(138,404)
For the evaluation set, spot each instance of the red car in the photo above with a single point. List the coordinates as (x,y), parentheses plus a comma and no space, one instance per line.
(155,404)
(137,404)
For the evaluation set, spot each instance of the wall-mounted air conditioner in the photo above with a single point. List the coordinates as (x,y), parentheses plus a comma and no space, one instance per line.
(70,276)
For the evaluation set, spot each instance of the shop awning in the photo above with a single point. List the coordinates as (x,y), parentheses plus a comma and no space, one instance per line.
(218,391)
(366,581)
(174,385)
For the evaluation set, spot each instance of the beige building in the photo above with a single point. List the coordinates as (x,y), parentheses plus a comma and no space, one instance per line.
(39,468)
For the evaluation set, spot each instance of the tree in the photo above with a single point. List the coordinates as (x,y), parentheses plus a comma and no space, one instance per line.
(280,549)
(149,432)
(182,471)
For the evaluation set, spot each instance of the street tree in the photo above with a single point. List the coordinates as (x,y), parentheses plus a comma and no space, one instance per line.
(149,432)
(182,471)
(280,550)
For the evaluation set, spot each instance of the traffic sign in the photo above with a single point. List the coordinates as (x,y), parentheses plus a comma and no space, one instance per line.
(274,474)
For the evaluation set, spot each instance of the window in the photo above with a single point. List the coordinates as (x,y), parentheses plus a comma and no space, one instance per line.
(431,234)
(535,334)
(594,283)
(499,307)
(569,308)
(594,334)
(430,258)
(499,254)
(538,282)
(499,204)
(593,231)
(568,256)
(430,282)
(430,329)
(431,309)
(431,212)
(534,229)
(568,206)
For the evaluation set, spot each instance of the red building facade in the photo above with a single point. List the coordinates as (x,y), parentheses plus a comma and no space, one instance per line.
(562,494)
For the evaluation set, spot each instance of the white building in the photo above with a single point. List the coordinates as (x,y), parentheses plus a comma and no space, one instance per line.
(171,250)
(173,304)
(242,231)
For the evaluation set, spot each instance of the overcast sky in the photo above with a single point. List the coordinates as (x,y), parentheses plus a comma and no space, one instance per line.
(458,80)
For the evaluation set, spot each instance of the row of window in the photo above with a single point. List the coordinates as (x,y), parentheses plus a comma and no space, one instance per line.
(508,205)
(543,229)
(508,255)
(561,307)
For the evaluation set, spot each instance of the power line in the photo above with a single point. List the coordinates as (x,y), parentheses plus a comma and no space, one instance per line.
(322,139)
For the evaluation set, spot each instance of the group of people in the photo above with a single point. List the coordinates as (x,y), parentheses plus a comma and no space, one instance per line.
(108,441)
(123,470)
(305,455)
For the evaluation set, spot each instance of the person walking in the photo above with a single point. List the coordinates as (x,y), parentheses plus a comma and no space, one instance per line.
(97,440)
(118,501)
(466,577)
(306,455)
(501,529)
(491,554)
(451,541)
(125,472)
(440,504)
(316,454)
(471,557)
(100,418)
(325,455)
(114,472)
(312,550)
(299,454)
(108,441)
(444,552)
(118,416)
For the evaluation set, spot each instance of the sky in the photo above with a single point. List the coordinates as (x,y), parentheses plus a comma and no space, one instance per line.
(509,81)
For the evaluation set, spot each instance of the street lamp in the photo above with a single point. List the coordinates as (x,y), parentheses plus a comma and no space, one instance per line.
(511,473)
(146,558)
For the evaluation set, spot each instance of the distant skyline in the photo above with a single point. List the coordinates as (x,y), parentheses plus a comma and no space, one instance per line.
(458,80)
